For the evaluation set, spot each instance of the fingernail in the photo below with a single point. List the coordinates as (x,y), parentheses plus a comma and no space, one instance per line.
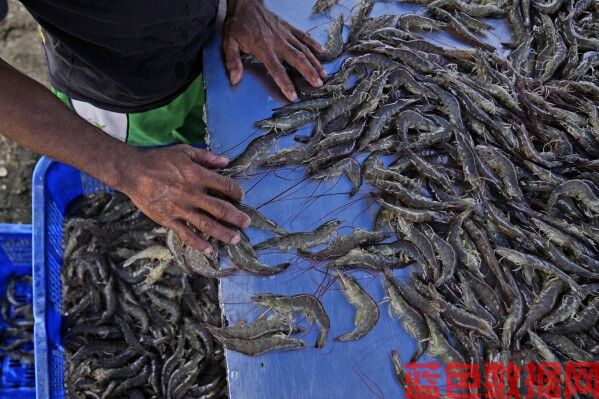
(292,96)
(222,159)
(235,239)
(319,82)
(247,223)
(233,77)
(208,250)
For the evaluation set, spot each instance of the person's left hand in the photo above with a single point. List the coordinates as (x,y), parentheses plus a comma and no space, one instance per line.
(251,28)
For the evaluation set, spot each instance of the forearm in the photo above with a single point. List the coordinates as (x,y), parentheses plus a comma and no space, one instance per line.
(36,119)
(232,3)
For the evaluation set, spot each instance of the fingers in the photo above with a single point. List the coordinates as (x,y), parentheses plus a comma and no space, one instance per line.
(206,158)
(233,60)
(223,184)
(305,38)
(211,227)
(222,210)
(280,76)
(299,61)
(309,55)
(190,238)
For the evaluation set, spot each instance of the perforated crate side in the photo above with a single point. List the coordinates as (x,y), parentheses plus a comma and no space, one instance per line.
(56,370)
(90,185)
(17,250)
(17,380)
(55,185)
(16,374)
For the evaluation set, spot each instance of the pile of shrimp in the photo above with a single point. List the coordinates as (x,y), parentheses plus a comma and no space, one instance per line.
(482,166)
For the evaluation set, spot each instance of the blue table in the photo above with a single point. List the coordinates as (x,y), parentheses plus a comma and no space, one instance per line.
(359,369)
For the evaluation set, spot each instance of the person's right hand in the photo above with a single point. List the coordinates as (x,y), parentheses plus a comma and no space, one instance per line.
(170,185)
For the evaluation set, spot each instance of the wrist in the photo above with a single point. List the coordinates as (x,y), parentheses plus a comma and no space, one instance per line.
(119,167)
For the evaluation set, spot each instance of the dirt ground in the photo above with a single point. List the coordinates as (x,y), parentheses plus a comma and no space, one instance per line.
(19,46)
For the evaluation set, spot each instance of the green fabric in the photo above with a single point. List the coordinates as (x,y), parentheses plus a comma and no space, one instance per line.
(180,121)
(63,97)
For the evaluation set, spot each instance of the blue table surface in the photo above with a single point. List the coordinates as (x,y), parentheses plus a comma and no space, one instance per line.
(358,369)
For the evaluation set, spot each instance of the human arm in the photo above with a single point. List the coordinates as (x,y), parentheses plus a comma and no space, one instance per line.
(169,185)
(250,28)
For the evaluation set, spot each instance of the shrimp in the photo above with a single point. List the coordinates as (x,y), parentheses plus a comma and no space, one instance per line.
(581,190)
(367,310)
(307,305)
(302,240)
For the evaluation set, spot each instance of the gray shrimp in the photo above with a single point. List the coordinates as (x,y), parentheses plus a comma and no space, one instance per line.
(415,199)
(361,12)
(528,260)
(257,329)
(367,310)
(242,255)
(447,255)
(567,347)
(430,171)
(375,96)
(461,318)
(359,258)
(343,244)
(581,190)
(307,305)
(347,135)
(567,308)
(155,252)
(398,368)
(349,103)
(260,221)
(412,120)
(541,306)
(302,240)
(473,304)
(379,120)
(256,150)
(323,5)
(418,23)
(478,10)
(289,122)
(458,29)
(261,345)
(544,350)
(454,237)
(562,239)
(439,345)
(504,168)
(193,261)
(415,215)
(288,156)
(473,24)
(515,313)
(412,320)
(583,321)
(348,166)
(334,44)
(417,300)
(313,104)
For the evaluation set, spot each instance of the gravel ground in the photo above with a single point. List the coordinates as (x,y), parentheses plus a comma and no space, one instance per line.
(19,46)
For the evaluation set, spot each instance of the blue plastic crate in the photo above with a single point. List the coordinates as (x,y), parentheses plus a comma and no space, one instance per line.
(55,185)
(17,380)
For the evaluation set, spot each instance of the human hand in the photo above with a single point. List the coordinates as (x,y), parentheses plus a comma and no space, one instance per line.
(250,28)
(172,186)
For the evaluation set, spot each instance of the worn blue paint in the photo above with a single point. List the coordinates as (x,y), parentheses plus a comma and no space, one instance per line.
(359,369)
